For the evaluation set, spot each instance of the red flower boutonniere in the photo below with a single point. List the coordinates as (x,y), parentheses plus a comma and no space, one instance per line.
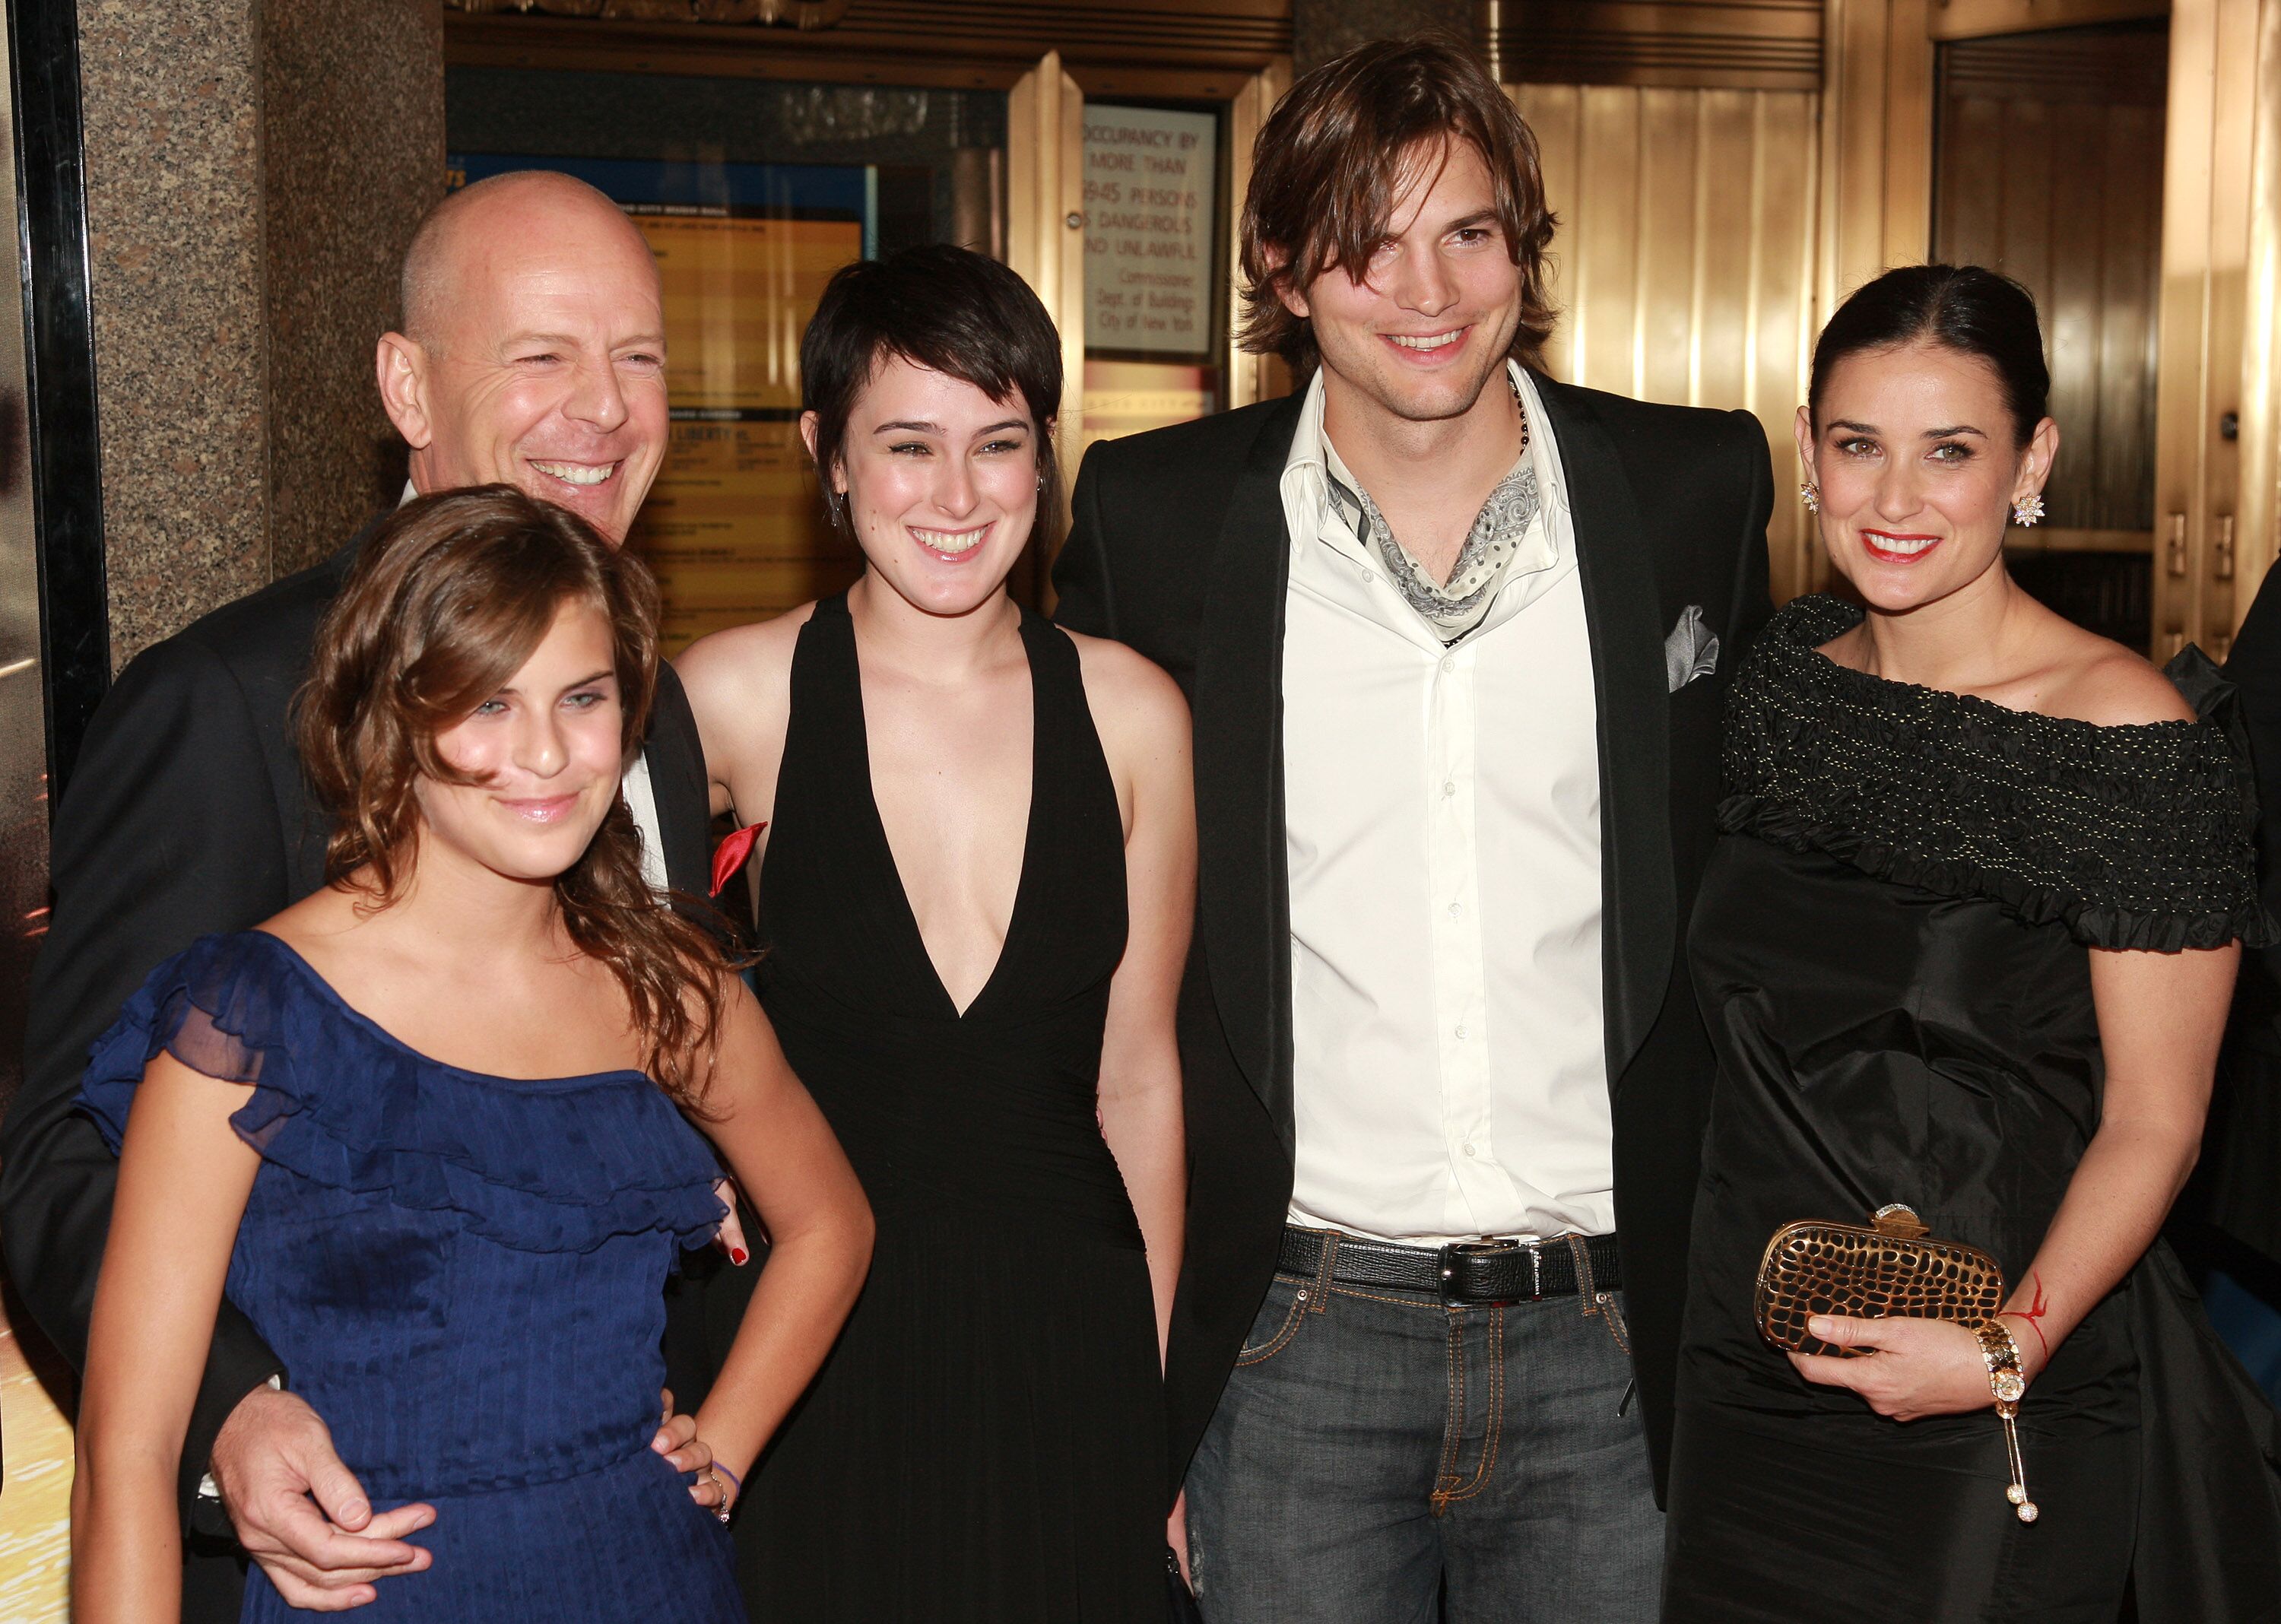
(730,856)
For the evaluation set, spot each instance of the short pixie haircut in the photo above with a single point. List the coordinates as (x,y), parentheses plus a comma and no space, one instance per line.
(947,309)
(1336,151)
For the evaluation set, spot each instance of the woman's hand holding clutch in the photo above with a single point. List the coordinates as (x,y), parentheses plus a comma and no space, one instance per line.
(1919,1367)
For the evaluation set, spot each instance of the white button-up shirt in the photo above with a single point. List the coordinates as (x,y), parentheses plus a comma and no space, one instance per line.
(1443,829)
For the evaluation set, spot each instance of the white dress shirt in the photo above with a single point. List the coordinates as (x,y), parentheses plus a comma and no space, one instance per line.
(641,795)
(1443,831)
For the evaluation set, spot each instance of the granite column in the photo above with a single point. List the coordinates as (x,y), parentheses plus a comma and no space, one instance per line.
(254,171)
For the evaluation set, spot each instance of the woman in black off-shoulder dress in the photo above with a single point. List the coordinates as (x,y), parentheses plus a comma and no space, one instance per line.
(1969,928)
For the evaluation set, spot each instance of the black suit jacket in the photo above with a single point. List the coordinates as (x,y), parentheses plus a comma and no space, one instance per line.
(1180,549)
(2233,1184)
(187,814)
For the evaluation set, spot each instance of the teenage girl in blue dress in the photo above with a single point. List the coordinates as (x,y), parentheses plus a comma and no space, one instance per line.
(430,1128)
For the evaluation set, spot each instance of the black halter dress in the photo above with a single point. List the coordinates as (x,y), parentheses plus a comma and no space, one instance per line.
(986,1442)
(1891,949)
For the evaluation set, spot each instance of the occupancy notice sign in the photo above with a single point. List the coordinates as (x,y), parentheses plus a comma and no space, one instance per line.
(1149,175)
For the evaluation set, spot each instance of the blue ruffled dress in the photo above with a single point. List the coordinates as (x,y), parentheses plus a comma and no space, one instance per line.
(463,1275)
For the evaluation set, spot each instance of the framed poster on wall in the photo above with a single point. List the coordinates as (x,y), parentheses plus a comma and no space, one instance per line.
(1154,322)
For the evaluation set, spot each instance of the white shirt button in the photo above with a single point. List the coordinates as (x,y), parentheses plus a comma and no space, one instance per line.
(1461,1033)
(1449,663)
(1367,577)
(1448,786)
(1455,911)
(1469,1150)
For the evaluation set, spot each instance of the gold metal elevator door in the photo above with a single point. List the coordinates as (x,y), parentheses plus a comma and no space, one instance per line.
(2218,440)
(1684,267)
(2048,167)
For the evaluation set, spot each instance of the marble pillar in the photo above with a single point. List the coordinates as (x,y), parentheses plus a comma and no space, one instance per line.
(253,172)
(352,157)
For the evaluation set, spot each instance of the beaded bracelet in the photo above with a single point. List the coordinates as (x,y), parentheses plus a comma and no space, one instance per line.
(2001,1355)
(728,1501)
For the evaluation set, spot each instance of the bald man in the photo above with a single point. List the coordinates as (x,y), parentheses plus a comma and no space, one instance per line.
(533,352)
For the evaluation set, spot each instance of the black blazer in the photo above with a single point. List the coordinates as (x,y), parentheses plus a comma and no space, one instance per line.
(1180,549)
(187,814)
(2233,1184)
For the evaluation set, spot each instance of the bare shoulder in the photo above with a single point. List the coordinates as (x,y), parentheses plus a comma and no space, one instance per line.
(1127,688)
(2107,684)
(743,657)
(315,926)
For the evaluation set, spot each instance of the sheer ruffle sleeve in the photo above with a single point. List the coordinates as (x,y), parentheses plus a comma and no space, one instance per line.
(557,1164)
(2133,837)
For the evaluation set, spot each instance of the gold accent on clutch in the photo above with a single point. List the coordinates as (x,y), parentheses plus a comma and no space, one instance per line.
(1889,1268)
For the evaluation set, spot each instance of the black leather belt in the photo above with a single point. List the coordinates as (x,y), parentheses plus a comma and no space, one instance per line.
(1468,1274)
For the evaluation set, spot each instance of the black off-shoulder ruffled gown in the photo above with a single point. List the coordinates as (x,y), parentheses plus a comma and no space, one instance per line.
(1891,949)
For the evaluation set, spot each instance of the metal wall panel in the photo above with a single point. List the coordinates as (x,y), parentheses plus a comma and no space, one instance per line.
(2050,170)
(2223,84)
(1684,263)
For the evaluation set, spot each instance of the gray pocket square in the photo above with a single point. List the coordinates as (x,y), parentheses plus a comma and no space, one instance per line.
(1690,651)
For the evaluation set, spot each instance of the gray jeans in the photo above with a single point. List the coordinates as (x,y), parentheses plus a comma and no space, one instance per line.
(1379,1459)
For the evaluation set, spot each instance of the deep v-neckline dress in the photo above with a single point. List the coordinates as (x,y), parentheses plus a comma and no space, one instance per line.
(986,1441)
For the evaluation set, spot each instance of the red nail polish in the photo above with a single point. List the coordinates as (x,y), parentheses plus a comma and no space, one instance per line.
(738,1255)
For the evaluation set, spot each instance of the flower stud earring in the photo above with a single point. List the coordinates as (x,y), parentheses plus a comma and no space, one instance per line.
(1810,494)
(2027,510)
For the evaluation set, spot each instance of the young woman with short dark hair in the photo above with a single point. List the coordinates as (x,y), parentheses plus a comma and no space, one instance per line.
(974,890)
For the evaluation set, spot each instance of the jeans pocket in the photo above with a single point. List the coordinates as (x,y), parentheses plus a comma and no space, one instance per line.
(1272,1331)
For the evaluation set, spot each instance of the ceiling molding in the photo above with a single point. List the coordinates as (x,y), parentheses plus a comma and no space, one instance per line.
(1740,45)
(910,42)
(1966,19)
(2125,68)
(765,13)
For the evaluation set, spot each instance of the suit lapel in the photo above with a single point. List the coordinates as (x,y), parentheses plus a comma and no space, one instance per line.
(1244,904)
(309,823)
(676,778)
(1639,910)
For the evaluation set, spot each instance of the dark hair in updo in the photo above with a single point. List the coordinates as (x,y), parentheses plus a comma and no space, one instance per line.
(947,309)
(1962,307)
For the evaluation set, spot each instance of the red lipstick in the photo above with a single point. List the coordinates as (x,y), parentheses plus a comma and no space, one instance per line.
(1897,547)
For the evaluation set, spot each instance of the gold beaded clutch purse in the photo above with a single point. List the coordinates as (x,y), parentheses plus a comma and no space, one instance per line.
(1889,1268)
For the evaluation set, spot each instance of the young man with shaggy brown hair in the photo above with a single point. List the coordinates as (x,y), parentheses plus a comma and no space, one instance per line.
(1456,637)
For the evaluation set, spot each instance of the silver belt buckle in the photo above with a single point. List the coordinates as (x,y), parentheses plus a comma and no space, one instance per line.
(1487,1248)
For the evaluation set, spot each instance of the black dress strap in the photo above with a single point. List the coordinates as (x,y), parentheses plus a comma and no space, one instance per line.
(828,868)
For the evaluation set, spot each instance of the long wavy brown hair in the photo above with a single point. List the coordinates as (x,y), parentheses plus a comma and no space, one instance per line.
(446,602)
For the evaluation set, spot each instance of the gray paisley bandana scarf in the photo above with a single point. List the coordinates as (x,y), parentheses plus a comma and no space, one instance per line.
(1456,607)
